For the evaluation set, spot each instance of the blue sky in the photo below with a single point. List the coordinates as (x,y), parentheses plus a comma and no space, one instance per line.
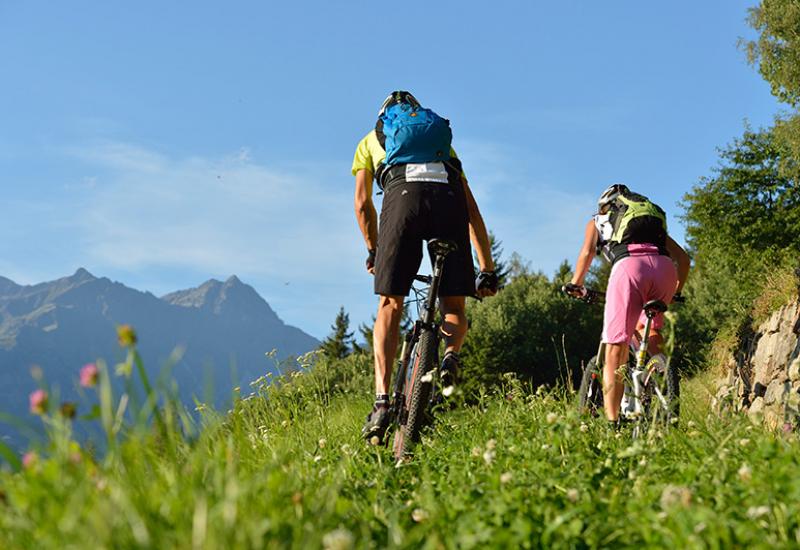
(162,144)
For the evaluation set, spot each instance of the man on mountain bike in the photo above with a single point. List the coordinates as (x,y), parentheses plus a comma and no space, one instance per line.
(426,196)
(647,264)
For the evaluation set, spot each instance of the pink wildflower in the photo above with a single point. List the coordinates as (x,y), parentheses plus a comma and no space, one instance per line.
(89,375)
(38,402)
(29,460)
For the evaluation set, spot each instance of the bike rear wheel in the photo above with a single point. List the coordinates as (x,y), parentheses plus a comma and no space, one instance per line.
(418,392)
(590,392)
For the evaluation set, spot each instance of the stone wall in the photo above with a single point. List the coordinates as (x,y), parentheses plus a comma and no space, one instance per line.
(763,379)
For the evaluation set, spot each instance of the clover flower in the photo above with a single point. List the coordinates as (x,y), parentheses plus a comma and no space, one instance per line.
(89,375)
(126,336)
(38,402)
(340,539)
(30,459)
(419,515)
(745,473)
(68,410)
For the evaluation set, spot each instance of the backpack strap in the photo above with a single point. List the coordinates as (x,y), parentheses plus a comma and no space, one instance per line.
(379,133)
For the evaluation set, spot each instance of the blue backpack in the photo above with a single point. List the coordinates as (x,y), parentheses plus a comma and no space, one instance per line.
(413,134)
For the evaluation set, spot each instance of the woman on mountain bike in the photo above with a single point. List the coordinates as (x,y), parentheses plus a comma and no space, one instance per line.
(647,264)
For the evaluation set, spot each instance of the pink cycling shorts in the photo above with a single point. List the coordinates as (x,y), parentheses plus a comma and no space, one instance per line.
(635,280)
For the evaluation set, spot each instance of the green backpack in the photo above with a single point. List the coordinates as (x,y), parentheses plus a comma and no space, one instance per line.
(635,219)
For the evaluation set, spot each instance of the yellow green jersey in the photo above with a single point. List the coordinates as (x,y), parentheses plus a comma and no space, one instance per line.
(369,154)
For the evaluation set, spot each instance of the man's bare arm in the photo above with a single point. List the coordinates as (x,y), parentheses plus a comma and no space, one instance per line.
(477,231)
(366,215)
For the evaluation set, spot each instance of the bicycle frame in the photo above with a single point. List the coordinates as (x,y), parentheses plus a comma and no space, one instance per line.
(426,320)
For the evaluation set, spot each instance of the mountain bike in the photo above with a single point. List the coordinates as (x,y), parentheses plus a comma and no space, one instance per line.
(415,389)
(651,383)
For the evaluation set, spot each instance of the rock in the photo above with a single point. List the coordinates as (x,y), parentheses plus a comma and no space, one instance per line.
(775,366)
(794,370)
(756,408)
(775,392)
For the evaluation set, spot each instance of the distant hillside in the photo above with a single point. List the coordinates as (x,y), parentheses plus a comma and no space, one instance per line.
(226,329)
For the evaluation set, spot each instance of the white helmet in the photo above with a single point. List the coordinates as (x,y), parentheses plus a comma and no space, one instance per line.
(398,96)
(610,194)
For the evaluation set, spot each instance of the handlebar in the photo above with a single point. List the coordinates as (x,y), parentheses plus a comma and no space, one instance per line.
(591,296)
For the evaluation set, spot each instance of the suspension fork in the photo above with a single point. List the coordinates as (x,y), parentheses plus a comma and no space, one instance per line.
(398,400)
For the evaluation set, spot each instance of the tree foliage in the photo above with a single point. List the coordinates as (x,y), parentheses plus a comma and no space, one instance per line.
(340,343)
(530,329)
(747,203)
(741,222)
(776,53)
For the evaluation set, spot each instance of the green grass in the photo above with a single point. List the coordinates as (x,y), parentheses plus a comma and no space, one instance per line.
(286,468)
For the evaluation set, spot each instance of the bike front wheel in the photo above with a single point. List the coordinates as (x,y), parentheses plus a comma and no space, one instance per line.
(664,395)
(590,392)
(418,392)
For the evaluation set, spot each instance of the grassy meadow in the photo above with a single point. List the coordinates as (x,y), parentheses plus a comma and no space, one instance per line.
(286,469)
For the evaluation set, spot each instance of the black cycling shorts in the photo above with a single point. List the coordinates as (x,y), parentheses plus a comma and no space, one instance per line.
(414,212)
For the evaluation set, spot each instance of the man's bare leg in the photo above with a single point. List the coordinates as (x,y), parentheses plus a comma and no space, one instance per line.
(454,325)
(613,383)
(385,336)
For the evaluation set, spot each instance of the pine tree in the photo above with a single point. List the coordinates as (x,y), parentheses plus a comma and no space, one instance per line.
(500,267)
(340,343)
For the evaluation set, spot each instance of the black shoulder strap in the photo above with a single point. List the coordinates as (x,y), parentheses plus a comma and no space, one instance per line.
(379,133)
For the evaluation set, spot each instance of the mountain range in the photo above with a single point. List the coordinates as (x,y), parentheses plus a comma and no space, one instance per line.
(225,330)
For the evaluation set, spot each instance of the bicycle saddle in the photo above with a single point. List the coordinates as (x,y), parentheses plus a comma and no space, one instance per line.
(441,247)
(654,307)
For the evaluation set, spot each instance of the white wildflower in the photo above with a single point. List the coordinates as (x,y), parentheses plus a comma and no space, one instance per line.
(584,427)
(505,477)
(745,473)
(573,495)
(675,495)
(551,418)
(755,512)
(340,539)
(419,515)
(488,456)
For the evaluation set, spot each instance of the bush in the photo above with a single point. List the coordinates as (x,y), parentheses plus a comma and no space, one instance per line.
(530,329)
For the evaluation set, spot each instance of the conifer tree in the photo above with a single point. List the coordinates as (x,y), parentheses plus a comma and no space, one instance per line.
(340,343)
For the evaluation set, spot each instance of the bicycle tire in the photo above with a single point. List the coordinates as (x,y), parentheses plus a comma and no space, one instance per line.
(418,395)
(590,392)
(673,390)
(669,386)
